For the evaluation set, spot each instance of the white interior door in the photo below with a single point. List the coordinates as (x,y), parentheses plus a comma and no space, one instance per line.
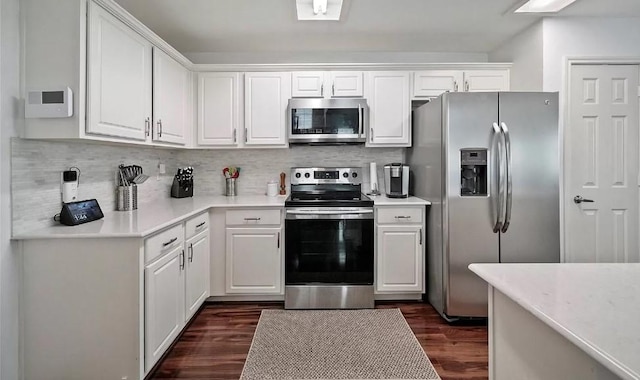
(602,164)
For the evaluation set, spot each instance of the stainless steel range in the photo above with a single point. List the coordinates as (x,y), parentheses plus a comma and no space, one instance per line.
(329,240)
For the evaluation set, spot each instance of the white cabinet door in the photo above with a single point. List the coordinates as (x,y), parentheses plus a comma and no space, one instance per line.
(266,98)
(119,78)
(197,276)
(171,87)
(389,108)
(486,80)
(253,261)
(399,261)
(346,84)
(307,84)
(218,108)
(164,304)
(432,83)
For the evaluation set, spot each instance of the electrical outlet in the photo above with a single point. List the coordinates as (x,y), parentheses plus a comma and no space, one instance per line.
(162,169)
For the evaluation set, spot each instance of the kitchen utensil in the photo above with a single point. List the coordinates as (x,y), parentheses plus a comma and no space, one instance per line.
(283,188)
(139,176)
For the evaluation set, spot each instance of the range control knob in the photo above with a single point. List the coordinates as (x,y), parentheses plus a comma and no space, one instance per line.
(354,175)
(307,175)
(298,175)
(345,174)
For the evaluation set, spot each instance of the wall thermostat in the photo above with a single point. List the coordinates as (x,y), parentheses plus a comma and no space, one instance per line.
(53,102)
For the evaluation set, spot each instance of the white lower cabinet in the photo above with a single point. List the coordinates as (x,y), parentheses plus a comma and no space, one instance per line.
(164,304)
(399,250)
(176,283)
(254,261)
(197,268)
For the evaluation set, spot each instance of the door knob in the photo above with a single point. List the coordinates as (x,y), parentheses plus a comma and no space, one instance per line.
(578,199)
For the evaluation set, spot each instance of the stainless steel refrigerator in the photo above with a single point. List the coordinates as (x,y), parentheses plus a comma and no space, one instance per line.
(489,164)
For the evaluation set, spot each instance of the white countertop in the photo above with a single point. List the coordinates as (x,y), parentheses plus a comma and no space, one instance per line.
(594,306)
(150,217)
(153,217)
(383,200)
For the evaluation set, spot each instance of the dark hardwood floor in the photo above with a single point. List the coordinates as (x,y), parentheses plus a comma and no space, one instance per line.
(216,343)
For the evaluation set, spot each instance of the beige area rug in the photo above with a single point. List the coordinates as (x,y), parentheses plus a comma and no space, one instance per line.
(335,344)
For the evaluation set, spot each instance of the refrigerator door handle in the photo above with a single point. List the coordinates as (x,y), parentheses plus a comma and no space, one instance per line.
(507,151)
(500,201)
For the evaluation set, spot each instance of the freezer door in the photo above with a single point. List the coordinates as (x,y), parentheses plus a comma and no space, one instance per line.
(469,237)
(533,232)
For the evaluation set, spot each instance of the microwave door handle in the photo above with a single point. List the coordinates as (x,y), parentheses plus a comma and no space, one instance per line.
(296,119)
(360,131)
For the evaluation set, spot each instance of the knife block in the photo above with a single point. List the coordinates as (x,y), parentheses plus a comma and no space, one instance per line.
(181,190)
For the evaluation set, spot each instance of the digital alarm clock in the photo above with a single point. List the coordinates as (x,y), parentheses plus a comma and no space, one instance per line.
(74,213)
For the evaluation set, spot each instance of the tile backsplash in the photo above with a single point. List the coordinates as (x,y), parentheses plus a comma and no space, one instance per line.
(36,167)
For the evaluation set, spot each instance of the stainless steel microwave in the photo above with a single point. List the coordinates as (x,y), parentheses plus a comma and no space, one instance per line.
(328,121)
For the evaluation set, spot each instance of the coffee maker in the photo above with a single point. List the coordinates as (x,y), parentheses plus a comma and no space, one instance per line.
(396,180)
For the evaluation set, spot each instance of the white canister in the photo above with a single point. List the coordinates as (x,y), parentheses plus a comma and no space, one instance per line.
(272,188)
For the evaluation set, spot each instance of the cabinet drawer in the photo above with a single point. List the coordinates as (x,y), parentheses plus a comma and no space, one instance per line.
(252,217)
(196,225)
(163,242)
(399,215)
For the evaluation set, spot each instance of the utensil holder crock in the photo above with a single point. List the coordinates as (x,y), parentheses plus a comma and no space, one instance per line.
(230,188)
(127,198)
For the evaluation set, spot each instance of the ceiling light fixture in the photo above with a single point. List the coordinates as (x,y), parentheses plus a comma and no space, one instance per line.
(319,10)
(319,6)
(543,6)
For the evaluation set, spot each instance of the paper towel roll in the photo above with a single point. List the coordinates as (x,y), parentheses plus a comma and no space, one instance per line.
(373,177)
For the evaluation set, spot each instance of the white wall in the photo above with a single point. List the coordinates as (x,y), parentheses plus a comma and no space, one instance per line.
(525,52)
(334,57)
(9,119)
(586,37)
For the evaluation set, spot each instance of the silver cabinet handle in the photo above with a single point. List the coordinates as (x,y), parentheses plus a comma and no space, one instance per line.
(251,219)
(333,90)
(278,239)
(245,135)
(200,225)
(402,217)
(455,85)
(500,170)
(420,232)
(159,123)
(147,126)
(371,137)
(235,137)
(322,90)
(169,242)
(182,260)
(191,252)
(466,86)
(578,199)
(509,171)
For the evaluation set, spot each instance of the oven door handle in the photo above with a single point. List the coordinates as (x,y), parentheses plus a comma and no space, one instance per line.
(329,214)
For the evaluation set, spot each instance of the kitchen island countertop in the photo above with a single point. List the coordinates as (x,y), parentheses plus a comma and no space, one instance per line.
(594,306)
(150,218)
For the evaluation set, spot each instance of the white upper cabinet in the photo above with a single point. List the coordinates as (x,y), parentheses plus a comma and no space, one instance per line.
(266,98)
(171,105)
(432,83)
(327,84)
(218,108)
(119,78)
(486,80)
(387,93)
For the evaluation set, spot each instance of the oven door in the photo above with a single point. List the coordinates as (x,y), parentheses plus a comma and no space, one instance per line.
(329,246)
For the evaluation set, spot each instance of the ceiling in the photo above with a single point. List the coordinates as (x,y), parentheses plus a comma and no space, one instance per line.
(260,26)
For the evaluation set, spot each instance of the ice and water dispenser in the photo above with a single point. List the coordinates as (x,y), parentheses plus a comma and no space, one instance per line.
(473,172)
